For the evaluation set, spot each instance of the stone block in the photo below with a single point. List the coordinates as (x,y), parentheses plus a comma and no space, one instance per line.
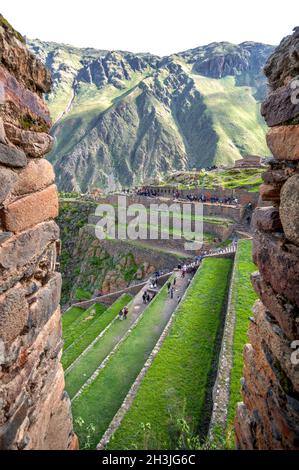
(18,99)
(270,192)
(12,157)
(289,209)
(31,210)
(8,179)
(283,141)
(34,144)
(278,265)
(283,312)
(37,175)
(46,301)
(267,219)
(14,313)
(24,250)
(278,107)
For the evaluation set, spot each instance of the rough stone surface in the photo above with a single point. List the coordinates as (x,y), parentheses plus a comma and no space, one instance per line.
(282,65)
(267,219)
(12,303)
(21,107)
(37,175)
(283,141)
(278,307)
(8,179)
(289,209)
(11,156)
(35,144)
(278,108)
(278,264)
(31,210)
(274,177)
(35,411)
(270,192)
(268,417)
(19,61)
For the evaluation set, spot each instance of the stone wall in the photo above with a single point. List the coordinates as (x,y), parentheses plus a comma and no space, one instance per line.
(34,409)
(269,416)
(235,213)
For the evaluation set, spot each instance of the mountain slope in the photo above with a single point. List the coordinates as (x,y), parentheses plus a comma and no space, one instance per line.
(122,118)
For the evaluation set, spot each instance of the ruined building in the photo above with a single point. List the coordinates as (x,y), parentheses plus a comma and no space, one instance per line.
(269,416)
(34,409)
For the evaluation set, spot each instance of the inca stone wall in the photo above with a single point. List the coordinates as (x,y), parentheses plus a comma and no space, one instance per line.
(269,416)
(34,409)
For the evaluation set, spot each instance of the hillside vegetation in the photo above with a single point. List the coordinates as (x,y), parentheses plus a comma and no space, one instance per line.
(122,118)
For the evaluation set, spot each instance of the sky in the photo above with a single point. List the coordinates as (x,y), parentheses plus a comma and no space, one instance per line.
(161,27)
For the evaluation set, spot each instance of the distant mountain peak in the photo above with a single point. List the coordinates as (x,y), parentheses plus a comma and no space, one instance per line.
(137,116)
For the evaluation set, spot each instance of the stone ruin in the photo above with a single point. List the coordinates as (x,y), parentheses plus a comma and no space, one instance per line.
(269,416)
(34,408)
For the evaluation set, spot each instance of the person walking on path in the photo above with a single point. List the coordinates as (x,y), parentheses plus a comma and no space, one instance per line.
(168,286)
(171,292)
(174,281)
(125,312)
(144,296)
(120,315)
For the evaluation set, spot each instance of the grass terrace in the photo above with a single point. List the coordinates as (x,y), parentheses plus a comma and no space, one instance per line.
(70,316)
(232,178)
(174,391)
(88,335)
(85,319)
(100,401)
(243,298)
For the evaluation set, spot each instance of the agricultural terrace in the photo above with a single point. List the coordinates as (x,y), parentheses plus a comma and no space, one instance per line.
(175,393)
(101,399)
(243,298)
(82,341)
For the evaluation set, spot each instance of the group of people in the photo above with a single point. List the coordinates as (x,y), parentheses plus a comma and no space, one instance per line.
(171,290)
(213,199)
(149,192)
(123,313)
(147,298)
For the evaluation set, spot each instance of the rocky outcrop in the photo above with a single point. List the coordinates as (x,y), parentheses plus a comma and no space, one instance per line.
(269,416)
(34,409)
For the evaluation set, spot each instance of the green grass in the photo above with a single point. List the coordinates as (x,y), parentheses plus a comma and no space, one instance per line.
(233,178)
(243,298)
(176,383)
(84,320)
(82,294)
(70,316)
(114,381)
(93,331)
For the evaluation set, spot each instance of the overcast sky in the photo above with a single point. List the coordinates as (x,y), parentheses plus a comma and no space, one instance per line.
(158,26)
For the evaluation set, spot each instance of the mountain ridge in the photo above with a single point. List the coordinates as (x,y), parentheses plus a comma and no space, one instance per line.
(122,118)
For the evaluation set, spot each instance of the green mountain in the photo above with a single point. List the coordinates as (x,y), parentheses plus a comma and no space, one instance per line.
(122,118)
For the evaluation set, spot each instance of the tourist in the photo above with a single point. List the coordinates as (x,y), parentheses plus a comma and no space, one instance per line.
(120,315)
(148,298)
(174,281)
(125,312)
(168,286)
(171,292)
(144,296)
